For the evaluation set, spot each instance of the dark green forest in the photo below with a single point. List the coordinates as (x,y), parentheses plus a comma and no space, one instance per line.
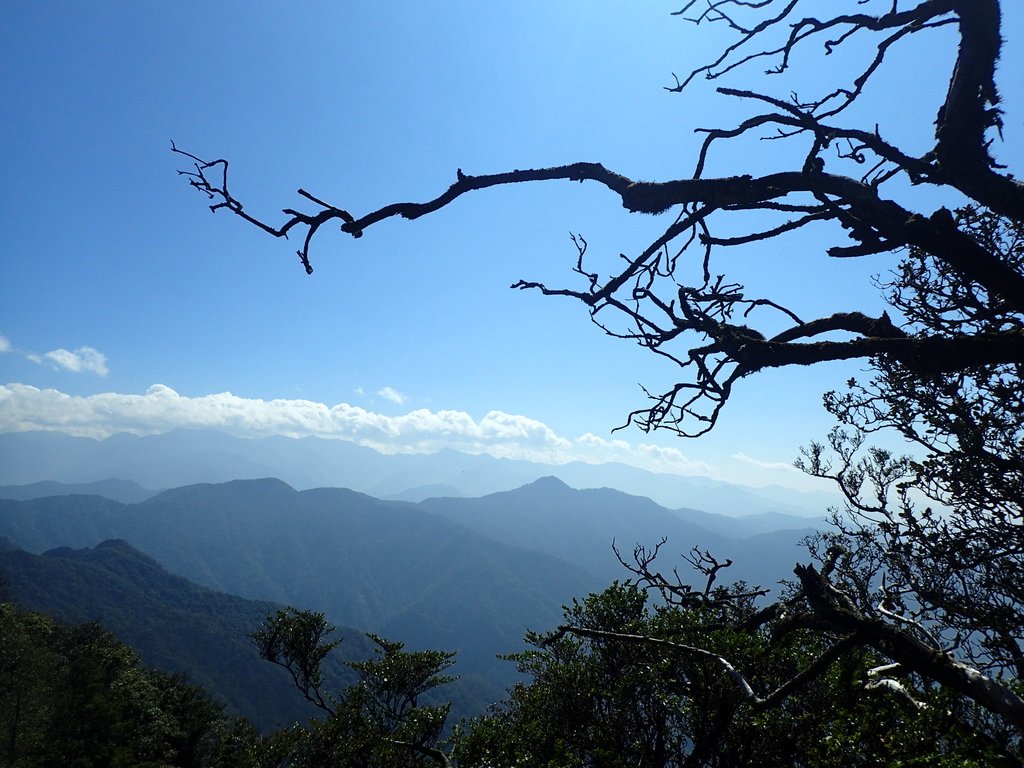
(624,688)
(76,696)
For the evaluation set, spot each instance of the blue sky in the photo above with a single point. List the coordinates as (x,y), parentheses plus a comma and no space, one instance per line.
(126,305)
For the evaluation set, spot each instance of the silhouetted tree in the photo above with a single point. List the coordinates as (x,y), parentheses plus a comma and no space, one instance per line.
(935,594)
(626,683)
(377,721)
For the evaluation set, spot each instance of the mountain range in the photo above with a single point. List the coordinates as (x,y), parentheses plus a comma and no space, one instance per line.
(470,575)
(432,565)
(382,566)
(185,457)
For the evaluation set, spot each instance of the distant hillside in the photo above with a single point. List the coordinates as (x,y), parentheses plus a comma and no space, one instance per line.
(185,457)
(388,567)
(125,491)
(580,526)
(174,624)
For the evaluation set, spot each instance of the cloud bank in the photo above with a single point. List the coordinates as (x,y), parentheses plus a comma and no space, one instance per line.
(160,408)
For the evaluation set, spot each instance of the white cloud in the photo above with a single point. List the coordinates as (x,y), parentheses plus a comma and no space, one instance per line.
(81,360)
(160,408)
(775,466)
(653,457)
(393,395)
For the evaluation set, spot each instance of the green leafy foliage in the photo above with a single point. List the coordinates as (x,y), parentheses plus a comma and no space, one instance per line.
(295,640)
(76,696)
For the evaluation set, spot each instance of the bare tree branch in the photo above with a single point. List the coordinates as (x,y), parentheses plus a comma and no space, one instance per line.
(813,670)
(837,609)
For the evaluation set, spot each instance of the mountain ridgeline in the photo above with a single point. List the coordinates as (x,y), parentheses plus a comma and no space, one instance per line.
(382,566)
(467,575)
(450,572)
(186,457)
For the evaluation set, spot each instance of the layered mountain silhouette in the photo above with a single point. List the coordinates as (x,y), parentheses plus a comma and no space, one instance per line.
(443,551)
(184,457)
(125,491)
(469,575)
(580,526)
(383,566)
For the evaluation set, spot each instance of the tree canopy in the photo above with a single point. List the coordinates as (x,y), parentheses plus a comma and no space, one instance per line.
(76,696)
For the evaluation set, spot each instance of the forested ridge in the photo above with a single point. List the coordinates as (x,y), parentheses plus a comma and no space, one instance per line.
(174,625)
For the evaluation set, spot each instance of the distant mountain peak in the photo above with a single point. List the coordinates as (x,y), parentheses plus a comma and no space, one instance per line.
(262,482)
(548,483)
(117,544)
